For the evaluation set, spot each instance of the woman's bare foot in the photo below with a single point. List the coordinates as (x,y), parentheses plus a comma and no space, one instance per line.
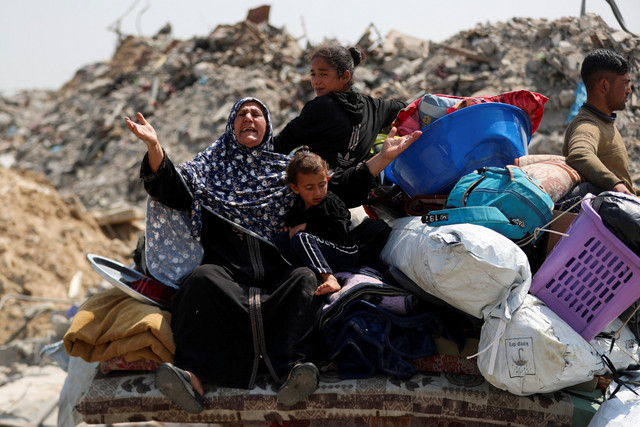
(330,284)
(178,386)
(196,383)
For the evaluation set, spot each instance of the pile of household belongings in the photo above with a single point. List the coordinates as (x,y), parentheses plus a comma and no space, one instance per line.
(449,279)
(549,321)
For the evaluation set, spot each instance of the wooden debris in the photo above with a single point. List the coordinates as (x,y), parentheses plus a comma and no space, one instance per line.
(118,215)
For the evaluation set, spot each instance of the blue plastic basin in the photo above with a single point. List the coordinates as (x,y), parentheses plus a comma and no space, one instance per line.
(487,134)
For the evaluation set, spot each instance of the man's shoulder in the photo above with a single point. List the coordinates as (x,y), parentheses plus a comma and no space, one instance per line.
(584,114)
(585,120)
(582,128)
(589,114)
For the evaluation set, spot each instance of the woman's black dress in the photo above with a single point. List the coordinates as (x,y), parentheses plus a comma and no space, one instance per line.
(243,309)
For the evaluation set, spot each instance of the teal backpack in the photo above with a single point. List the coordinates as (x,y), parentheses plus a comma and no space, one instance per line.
(507,200)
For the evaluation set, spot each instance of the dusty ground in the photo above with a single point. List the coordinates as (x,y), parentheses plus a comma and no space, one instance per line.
(44,240)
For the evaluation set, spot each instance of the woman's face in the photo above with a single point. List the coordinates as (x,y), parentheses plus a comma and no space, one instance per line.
(325,79)
(250,124)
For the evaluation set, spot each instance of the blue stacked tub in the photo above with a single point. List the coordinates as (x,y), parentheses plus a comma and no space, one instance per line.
(486,134)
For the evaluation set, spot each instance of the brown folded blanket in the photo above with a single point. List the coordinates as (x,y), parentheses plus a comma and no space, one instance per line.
(113,324)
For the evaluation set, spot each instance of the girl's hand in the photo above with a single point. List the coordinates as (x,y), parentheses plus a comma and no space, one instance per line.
(297,228)
(393,146)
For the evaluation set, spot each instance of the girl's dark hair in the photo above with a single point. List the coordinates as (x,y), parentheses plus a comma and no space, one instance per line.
(304,162)
(341,58)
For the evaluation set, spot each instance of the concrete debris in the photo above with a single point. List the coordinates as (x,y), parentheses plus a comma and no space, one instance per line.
(38,385)
(77,138)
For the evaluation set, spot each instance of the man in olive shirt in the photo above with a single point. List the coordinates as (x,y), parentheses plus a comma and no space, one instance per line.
(592,143)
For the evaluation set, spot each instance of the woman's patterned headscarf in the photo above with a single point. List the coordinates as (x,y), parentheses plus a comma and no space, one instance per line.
(244,186)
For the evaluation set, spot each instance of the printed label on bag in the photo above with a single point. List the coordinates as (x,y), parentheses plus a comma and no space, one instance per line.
(429,218)
(520,356)
(517,221)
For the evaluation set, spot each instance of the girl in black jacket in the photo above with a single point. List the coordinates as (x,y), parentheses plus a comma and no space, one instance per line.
(317,226)
(341,125)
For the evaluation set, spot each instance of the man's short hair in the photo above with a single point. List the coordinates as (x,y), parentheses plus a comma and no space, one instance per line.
(602,60)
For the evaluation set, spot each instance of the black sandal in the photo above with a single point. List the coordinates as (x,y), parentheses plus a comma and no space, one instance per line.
(175,384)
(301,383)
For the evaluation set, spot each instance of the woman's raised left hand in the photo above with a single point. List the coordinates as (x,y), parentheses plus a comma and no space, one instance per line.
(394,145)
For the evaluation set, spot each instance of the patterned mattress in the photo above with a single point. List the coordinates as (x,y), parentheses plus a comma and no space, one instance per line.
(427,399)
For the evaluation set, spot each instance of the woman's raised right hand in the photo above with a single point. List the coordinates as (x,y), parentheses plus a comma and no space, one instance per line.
(148,135)
(143,130)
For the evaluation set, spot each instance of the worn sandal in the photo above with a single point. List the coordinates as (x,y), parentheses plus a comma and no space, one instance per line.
(175,384)
(301,383)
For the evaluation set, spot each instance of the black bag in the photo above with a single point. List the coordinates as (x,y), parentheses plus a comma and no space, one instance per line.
(620,213)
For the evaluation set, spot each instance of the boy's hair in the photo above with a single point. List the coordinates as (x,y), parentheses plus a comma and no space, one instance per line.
(602,60)
(304,162)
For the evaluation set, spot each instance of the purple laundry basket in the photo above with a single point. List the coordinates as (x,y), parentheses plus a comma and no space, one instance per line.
(590,277)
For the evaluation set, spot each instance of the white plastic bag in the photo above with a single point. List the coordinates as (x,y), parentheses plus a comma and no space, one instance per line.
(625,352)
(538,352)
(471,267)
(623,410)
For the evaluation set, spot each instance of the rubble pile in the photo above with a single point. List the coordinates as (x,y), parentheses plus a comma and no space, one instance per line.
(44,239)
(77,138)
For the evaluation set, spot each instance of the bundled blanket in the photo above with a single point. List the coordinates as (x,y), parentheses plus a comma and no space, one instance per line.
(113,324)
(371,327)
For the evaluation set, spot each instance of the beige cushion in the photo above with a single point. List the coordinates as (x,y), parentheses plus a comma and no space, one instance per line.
(551,172)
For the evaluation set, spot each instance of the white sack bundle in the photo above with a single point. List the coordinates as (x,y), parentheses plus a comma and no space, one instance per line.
(625,352)
(471,267)
(537,353)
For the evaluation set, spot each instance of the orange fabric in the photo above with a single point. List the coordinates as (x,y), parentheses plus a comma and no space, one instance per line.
(111,324)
